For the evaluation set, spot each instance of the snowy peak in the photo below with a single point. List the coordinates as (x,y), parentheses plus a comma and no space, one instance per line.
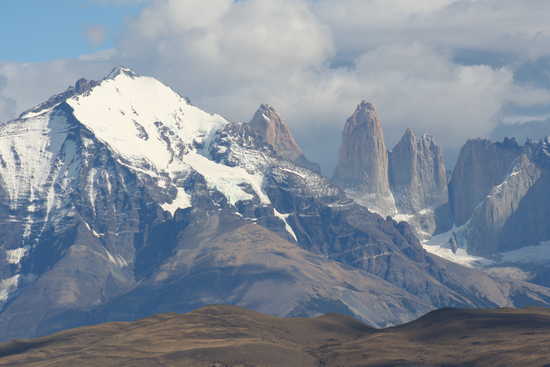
(143,120)
(121,70)
(146,127)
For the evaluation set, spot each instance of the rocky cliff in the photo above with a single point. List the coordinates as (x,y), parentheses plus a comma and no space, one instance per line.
(362,167)
(274,131)
(481,165)
(418,182)
(417,173)
(514,213)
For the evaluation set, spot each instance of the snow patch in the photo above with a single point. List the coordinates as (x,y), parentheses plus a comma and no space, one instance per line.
(116,260)
(461,256)
(181,201)
(15,256)
(288,228)
(294,172)
(8,286)
(94,233)
(230,181)
(439,245)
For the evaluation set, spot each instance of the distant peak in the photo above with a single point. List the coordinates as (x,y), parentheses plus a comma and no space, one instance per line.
(274,131)
(366,106)
(409,133)
(266,113)
(365,113)
(121,70)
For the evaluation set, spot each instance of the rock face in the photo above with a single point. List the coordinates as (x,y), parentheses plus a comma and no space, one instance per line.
(126,200)
(418,181)
(515,211)
(481,165)
(362,168)
(274,131)
(485,232)
(417,174)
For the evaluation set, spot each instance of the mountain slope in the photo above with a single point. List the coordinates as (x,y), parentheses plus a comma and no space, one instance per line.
(229,336)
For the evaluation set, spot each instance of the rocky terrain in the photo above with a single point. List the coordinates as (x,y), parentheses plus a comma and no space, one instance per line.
(119,200)
(224,336)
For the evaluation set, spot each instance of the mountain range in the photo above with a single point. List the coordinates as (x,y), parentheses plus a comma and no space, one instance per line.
(119,199)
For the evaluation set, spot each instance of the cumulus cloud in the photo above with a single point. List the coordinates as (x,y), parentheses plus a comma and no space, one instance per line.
(451,68)
(24,85)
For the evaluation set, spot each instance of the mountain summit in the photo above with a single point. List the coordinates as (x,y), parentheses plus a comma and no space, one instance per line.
(274,131)
(363,161)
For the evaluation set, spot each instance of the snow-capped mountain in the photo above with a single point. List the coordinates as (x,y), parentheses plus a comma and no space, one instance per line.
(120,199)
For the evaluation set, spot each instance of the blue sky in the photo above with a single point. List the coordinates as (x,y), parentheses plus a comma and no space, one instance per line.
(34,32)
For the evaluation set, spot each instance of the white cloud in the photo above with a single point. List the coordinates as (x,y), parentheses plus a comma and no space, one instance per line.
(316,59)
(28,84)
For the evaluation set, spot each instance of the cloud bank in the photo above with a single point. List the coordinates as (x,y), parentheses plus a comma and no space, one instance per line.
(451,68)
